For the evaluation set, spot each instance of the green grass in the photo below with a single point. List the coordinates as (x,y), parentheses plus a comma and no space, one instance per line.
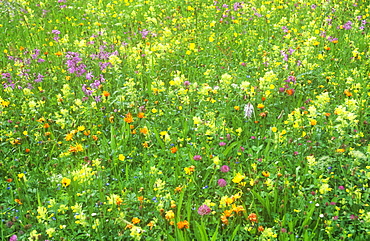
(118,117)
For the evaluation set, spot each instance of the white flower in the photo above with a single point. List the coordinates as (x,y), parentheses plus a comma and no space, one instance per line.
(248,110)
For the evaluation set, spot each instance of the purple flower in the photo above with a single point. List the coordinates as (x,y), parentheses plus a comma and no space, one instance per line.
(55,31)
(341,188)
(221,182)
(225,168)
(13,238)
(197,158)
(203,210)
(222,144)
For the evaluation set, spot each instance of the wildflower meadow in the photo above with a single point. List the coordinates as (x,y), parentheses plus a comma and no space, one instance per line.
(184,120)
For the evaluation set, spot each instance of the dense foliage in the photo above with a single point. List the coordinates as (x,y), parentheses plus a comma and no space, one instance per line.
(184,120)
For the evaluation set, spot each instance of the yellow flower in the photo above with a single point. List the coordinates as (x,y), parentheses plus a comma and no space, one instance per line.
(121,157)
(66,182)
(238,178)
(170,215)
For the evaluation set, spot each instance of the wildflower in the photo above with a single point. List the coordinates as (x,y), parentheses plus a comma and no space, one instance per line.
(106,93)
(128,119)
(221,182)
(222,144)
(197,158)
(236,107)
(66,182)
(238,178)
(121,157)
(341,187)
(290,91)
(252,217)
(13,238)
(135,220)
(225,168)
(141,115)
(170,215)
(224,220)
(265,174)
(248,110)
(189,170)
(173,149)
(203,210)
(274,129)
(260,228)
(18,201)
(238,209)
(260,106)
(144,130)
(183,224)
(151,225)
(313,122)
(178,189)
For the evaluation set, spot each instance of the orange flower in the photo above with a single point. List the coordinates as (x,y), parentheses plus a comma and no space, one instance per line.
(27,150)
(174,149)
(150,225)
(347,93)
(313,122)
(238,209)
(224,220)
(260,228)
(228,213)
(18,201)
(260,106)
(128,118)
(135,220)
(46,125)
(106,93)
(183,224)
(141,115)
(144,130)
(178,189)
(69,137)
(252,217)
(327,114)
(290,92)
(141,198)
(265,173)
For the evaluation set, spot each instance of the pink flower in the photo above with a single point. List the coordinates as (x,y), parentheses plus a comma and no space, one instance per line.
(197,158)
(221,182)
(13,238)
(203,210)
(225,168)
(222,144)
(341,187)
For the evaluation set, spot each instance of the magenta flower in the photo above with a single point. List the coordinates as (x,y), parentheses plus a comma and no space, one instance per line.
(225,168)
(222,144)
(13,238)
(221,182)
(341,187)
(203,210)
(197,158)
